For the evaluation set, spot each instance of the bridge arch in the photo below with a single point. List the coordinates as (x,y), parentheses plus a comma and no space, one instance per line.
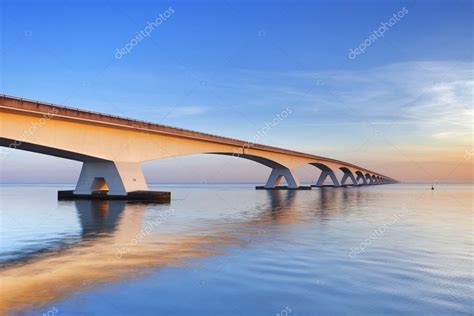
(360,176)
(347,175)
(261,160)
(326,172)
(374,179)
(369,178)
(279,171)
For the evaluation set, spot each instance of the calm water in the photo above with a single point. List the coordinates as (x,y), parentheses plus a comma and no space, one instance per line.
(232,250)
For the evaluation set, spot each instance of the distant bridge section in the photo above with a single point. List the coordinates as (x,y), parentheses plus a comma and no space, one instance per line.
(112,148)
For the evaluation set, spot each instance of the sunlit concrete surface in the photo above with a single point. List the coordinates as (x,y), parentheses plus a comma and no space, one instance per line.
(112,148)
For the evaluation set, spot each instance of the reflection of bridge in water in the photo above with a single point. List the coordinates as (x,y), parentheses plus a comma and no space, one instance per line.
(99,218)
(108,225)
(112,148)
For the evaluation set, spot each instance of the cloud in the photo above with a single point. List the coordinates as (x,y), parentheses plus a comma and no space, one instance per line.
(187,111)
(442,135)
(415,92)
(445,102)
(420,93)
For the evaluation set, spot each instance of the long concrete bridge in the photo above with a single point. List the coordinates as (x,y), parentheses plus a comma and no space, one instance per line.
(112,148)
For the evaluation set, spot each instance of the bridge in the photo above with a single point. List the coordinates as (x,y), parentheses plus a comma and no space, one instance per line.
(112,148)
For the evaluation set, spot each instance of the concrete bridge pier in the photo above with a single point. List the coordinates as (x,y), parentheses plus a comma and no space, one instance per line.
(278,174)
(348,175)
(374,179)
(113,180)
(324,175)
(118,178)
(326,172)
(369,179)
(360,176)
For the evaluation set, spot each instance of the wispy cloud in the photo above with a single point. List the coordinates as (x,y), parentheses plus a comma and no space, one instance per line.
(417,92)
(187,111)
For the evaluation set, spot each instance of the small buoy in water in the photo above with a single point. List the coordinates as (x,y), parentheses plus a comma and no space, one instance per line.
(432,187)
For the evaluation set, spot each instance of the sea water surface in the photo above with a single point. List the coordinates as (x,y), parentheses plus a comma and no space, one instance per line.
(232,250)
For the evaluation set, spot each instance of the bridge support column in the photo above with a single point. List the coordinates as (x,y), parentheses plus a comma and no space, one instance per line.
(369,179)
(324,175)
(118,177)
(374,179)
(348,175)
(278,174)
(360,176)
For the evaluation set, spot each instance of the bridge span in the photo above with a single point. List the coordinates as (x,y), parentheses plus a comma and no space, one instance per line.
(112,148)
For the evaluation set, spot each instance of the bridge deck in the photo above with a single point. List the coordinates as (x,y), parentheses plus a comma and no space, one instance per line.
(32,107)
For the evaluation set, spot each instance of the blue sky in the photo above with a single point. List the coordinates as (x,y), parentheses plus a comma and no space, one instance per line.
(228,67)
